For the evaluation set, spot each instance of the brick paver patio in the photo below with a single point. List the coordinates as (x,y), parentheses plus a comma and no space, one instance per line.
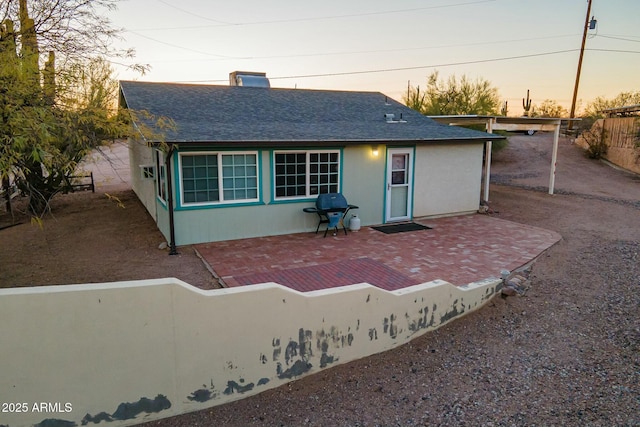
(460,250)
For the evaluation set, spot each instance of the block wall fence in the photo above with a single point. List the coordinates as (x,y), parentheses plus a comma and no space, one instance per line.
(123,353)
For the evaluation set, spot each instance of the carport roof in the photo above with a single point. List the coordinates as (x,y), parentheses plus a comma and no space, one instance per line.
(503,122)
(262,116)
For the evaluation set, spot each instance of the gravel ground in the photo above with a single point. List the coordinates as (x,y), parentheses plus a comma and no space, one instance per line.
(567,353)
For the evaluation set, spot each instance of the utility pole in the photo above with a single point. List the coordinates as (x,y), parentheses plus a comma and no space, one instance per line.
(575,89)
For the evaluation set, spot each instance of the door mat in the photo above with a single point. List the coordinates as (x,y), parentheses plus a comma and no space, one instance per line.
(400,228)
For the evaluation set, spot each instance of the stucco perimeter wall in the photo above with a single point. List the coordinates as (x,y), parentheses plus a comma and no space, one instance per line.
(621,134)
(122,353)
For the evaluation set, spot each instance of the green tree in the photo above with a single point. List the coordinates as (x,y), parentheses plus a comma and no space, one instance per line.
(549,108)
(50,119)
(593,111)
(594,108)
(454,96)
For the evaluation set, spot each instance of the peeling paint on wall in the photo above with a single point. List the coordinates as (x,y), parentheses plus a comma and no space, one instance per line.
(291,351)
(233,387)
(128,410)
(304,342)
(53,422)
(298,368)
(422,322)
(276,349)
(451,314)
(95,419)
(488,294)
(325,359)
(390,326)
(204,394)
(373,334)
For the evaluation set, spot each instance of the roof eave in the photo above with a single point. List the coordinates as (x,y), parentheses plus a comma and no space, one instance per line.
(332,142)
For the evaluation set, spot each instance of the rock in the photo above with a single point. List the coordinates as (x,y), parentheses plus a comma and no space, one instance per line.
(162,246)
(509,291)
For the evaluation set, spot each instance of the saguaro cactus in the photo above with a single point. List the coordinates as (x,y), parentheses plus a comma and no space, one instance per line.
(504,110)
(526,105)
(49,79)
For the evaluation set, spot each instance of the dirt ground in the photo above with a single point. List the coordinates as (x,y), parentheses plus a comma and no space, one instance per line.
(92,238)
(567,353)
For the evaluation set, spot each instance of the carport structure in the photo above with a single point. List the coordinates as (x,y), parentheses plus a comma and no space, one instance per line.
(511,124)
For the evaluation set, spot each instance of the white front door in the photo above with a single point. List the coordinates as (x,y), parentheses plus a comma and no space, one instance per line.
(399,184)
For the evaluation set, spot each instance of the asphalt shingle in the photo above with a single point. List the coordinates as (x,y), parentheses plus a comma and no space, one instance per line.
(227,114)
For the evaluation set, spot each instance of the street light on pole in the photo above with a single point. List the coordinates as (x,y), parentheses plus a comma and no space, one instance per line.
(588,24)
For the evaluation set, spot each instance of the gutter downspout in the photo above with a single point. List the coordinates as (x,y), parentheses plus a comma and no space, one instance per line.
(172,230)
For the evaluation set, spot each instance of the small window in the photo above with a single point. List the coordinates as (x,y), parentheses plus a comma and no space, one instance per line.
(147,171)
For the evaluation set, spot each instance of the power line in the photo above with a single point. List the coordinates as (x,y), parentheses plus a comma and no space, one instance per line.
(220,23)
(612,50)
(388,70)
(305,55)
(318,18)
(618,38)
(186,48)
(450,64)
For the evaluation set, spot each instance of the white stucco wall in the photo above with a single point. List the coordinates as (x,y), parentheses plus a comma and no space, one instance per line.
(447,179)
(129,352)
(140,154)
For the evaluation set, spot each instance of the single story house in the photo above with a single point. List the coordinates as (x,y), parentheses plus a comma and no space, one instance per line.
(243,162)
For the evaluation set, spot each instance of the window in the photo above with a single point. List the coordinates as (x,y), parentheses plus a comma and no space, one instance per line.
(161,177)
(147,171)
(209,178)
(306,173)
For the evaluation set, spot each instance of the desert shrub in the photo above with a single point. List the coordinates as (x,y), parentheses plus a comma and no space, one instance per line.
(595,139)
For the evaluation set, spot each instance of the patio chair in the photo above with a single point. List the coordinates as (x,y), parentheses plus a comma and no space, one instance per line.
(331,208)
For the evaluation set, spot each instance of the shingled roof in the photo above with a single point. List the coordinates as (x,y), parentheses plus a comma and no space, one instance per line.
(233,114)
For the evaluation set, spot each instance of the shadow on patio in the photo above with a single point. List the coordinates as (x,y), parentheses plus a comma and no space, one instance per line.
(459,250)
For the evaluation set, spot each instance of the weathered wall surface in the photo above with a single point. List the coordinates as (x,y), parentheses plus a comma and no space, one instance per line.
(620,135)
(127,352)
(140,154)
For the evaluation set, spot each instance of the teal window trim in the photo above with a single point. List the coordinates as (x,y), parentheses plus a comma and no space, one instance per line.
(164,205)
(179,185)
(217,206)
(306,198)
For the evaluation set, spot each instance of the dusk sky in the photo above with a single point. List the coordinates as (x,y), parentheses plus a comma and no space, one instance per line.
(380,46)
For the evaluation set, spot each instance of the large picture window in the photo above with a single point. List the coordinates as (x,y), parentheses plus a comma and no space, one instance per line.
(209,178)
(306,173)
